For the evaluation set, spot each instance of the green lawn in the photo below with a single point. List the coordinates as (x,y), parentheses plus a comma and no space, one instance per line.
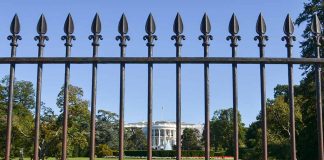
(126,158)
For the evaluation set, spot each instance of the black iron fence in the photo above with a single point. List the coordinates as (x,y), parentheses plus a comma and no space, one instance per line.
(150,60)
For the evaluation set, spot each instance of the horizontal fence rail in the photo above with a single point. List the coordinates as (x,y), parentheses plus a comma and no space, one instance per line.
(160,60)
(178,37)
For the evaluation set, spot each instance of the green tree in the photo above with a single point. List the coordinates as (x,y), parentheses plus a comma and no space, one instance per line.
(222,131)
(23,121)
(278,131)
(135,139)
(190,139)
(307,139)
(78,121)
(107,129)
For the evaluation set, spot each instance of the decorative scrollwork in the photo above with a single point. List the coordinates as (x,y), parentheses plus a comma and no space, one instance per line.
(150,39)
(95,38)
(178,38)
(261,39)
(68,39)
(318,39)
(14,38)
(122,39)
(289,40)
(234,39)
(205,38)
(41,40)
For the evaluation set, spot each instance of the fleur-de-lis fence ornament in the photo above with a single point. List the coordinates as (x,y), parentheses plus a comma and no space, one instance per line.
(41,30)
(233,29)
(96,29)
(150,30)
(288,30)
(261,29)
(68,30)
(205,29)
(178,30)
(123,30)
(316,30)
(14,29)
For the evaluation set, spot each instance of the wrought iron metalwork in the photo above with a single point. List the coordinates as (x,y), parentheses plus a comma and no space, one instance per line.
(95,29)
(123,30)
(178,37)
(233,29)
(14,29)
(68,30)
(41,38)
(318,38)
(150,37)
(261,30)
(150,29)
(205,29)
(288,29)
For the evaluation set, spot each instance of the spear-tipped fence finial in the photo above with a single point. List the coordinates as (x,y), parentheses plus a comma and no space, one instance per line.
(123,30)
(233,29)
(150,30)
(41,30)
(15,25)
(288,29)
(68,30)
(96,24)
(316,30)
(14,29)
(96,29)
(205,29)
(178,30)
(261,29)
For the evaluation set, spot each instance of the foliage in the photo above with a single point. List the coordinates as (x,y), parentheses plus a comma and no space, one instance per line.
(23,121)
(169,153)
(190,139)
(307,139)
(103,150)
(135,139)
(221,127)
(107,129)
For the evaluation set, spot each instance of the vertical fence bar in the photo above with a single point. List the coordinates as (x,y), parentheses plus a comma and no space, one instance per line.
(150,37)
(233,29)
(316,30)
(261,30)
(14,29)
(68,29)
(122,29)
(289,38)
(41,30)
(95,29)
(205,29)
(178,29)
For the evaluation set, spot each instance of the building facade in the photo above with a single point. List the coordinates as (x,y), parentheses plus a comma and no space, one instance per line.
(164,132)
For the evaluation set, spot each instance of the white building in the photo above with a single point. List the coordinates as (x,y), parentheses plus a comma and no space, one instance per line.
(164,132)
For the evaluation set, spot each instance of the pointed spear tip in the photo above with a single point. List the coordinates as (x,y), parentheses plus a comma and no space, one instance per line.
(123,25)
(205,26)
(260,25)
(42,25)
(288,26)
(68,25)
(150,25)
(178,25)
(15,25)
(233,26)
(96,24)
(315,25)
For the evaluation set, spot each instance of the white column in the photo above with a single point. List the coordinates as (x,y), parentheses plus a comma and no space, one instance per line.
(159,138)
(153,137)
(164,138)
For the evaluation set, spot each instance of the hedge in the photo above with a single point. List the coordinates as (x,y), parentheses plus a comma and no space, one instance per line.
(169,153)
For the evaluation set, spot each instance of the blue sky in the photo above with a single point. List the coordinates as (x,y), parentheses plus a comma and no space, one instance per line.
(164,12)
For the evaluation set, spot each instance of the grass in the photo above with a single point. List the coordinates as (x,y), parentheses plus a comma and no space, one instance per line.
(128,158)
